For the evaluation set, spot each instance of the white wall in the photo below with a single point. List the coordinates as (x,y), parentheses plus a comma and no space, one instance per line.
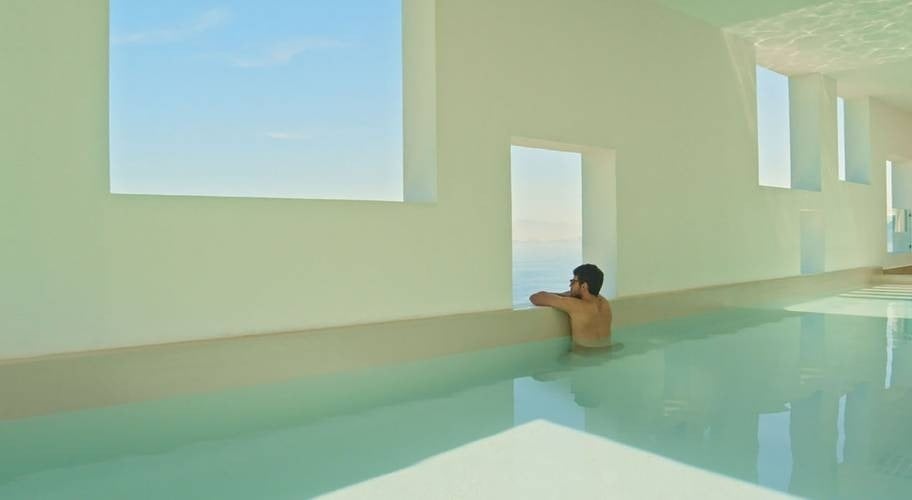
(84,269)
(892,142)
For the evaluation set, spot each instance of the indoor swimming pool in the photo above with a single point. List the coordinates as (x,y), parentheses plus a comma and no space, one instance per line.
(812,400)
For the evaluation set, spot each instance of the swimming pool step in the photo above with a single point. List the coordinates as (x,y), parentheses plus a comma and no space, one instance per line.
(890,291)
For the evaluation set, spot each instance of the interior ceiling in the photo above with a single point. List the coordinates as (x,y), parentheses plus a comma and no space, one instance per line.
(866,45)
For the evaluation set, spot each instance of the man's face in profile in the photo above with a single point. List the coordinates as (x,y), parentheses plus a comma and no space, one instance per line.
(575,287)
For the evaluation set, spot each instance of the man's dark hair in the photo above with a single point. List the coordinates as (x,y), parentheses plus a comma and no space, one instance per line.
(591,275)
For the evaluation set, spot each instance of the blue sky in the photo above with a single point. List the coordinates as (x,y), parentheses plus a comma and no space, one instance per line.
(276,98)
(283,98)
(773,128)
(546,194)
(840,136)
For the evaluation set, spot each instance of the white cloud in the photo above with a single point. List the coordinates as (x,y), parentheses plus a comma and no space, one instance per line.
(208,20)
(285,52)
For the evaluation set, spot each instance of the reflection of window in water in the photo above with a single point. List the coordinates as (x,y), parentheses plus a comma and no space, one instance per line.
(894,325)
(840,427)
(774,451)
(550,400)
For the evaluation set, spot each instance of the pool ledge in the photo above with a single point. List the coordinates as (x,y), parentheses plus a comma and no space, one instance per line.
(75,381)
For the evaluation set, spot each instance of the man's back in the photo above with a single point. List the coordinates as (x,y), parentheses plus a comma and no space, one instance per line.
(590,313)
(590,322)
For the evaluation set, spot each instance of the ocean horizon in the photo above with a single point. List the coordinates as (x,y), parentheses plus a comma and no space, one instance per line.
(543,265)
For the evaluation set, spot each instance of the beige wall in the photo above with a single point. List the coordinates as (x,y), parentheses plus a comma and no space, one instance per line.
(84,269)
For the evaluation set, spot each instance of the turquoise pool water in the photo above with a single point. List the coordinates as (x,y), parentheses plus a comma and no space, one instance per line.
(810,401)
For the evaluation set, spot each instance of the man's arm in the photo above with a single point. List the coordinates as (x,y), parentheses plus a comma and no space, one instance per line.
(562,301)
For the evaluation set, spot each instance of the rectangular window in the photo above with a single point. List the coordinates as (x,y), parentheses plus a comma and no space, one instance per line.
(899,215)
(276,98)
(891,213)
(773,132)
(856,135)
(840,131)
(547,219)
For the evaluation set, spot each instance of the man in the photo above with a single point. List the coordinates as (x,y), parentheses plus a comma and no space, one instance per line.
(590,313)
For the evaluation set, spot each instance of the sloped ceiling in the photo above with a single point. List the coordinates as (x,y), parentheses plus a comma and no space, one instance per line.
(866,45)
(724,13)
